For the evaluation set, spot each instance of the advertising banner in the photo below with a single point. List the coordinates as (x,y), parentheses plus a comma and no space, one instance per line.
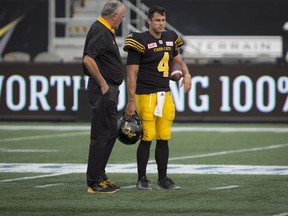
(256,93)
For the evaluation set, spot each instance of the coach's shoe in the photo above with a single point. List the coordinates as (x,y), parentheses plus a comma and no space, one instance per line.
(102,187)
(167,183)
(111,184)
(143,184)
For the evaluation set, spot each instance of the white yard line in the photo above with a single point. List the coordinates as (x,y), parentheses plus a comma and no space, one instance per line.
(61,169)
(26,150)
(282,214)
(227,152)
(129,187)
(230,129)
(226,187)
(49,185)
(45,127)
(33,177)
(43,136)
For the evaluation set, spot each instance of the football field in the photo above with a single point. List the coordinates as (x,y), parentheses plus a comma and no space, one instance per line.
(222,169)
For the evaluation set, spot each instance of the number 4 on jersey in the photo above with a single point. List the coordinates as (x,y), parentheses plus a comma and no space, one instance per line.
(163,65)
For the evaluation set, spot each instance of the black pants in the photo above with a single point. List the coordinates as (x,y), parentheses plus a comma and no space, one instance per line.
(103,130)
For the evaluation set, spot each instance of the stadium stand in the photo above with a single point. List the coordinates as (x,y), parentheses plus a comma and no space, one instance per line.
(45,57)
(81,14)
(78,20)
(16,57)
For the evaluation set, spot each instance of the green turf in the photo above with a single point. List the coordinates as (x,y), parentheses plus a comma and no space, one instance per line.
(254,194)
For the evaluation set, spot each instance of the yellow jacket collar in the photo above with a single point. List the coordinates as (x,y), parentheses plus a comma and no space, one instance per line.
(105,23)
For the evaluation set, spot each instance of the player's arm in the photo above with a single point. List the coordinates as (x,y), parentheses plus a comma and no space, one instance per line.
(177,57)
(184,68)
(135,48)
(93,69)
(185,71)
(132,71)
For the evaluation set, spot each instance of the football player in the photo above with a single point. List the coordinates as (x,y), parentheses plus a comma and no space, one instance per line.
(149,55)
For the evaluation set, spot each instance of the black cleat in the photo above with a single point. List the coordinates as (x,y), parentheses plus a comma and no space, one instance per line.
(102,187)
(167,183)
(111,184)
(143,184)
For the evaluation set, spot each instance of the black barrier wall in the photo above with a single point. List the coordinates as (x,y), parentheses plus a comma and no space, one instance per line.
(242,93)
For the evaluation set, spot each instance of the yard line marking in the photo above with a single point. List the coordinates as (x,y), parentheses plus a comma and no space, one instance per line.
(33,177)
(26,150)
(229,129)
(129,187)
(174,129)
(48,185)
(44,127)
(43,137)
(226,187)
(282,214)
(43,167)
(62,169)
(227,152)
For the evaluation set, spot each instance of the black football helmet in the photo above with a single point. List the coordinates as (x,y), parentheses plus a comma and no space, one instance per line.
(129,129)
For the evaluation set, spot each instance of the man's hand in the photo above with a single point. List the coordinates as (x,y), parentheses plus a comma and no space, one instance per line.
(130,108)
(104,89)
(186,81)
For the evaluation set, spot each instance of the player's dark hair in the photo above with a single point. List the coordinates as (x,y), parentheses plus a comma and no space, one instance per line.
(156,9)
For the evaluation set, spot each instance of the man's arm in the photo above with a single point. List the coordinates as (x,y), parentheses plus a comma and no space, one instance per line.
(186,74)
(93,69)
(132,71)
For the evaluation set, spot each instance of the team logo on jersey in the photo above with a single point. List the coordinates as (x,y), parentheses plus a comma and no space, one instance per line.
(152,45)
(160,42)
(169,43)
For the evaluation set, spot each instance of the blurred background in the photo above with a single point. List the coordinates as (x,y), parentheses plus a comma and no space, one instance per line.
(236,51)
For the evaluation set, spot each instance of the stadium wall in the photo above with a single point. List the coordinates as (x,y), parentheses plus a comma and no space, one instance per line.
(220,93)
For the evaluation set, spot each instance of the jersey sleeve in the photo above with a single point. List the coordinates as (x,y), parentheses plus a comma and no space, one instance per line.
(133,57)
(177,39)
(134,42)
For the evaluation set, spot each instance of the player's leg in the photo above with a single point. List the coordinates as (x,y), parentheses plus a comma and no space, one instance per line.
(145,108)
(163,135)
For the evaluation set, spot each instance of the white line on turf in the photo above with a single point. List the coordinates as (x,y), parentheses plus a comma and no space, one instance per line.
(43,137)
(49,185)
(45,127)
(151,168)
(64,169)
(33,177)
(134,187)
(129,187)
(282,214)
(226,187)
(26,150)
(227,152)
(229,129)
